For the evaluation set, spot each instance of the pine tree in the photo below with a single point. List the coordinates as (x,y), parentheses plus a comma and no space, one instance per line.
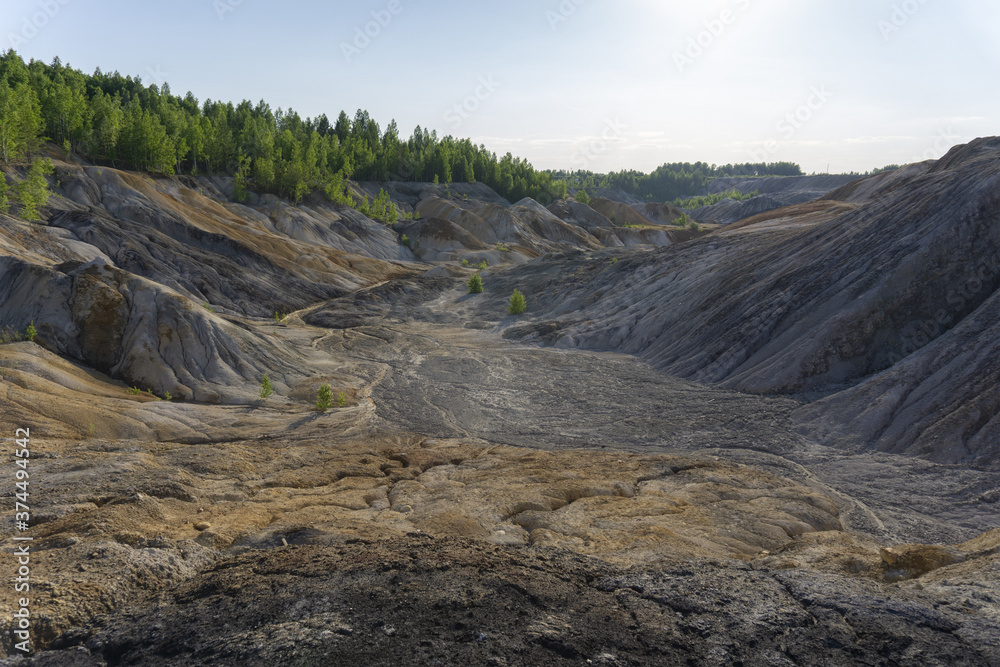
(33,191)
(518,304)
(266,388)
(475,284)
(582,196)
(107,119)
(20,121)
(324,398)
(241,180)
(4,203)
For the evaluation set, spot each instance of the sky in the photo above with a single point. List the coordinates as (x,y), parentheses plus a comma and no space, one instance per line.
(834,85)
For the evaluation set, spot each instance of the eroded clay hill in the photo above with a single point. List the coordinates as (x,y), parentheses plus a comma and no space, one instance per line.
(136,276)
(879,299)
(772,193)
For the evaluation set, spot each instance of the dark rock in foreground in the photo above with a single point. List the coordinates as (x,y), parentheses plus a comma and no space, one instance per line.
(455,602)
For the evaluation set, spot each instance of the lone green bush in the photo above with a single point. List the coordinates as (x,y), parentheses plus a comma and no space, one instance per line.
(266,388)
(324,398)
(518,304)
(31,332)
(475,284)
(341,400)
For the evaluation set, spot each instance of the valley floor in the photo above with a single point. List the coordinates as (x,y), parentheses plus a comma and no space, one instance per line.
(483,501)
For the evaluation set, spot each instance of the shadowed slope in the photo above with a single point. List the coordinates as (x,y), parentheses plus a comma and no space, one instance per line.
(819,297)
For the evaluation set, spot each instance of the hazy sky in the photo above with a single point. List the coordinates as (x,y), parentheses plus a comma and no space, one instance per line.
(853,84)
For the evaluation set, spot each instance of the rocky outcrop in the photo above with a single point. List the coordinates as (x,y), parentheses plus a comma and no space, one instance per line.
(526,228)
(730,210)
(255,261)
(138,331)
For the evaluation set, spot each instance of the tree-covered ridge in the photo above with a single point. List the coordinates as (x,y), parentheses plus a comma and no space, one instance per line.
(116,120)
(673,181)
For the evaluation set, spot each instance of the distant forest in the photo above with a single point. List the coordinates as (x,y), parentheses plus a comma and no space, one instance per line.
(116,120)
(672,182)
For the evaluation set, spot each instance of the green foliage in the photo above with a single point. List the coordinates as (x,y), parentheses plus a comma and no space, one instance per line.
(518,304)
(465,262)
(614,260)
(279,317)
(115,119)
(143,141)
(503,247)
(382,208)
(670,181)
(888,167)
(241,180)
(30,332)
(335,190)
(134,391)
(10,335)
(167,396)
(708,200)
(582,196)
(682,221)
(363,208)
(484,264)
(475,284)
(266,388)
(405,240)
(341,400)
(4,201)
(324,398)
(33,191)
(20,113)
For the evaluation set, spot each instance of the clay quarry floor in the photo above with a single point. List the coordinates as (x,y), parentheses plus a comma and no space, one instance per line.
(450,432)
